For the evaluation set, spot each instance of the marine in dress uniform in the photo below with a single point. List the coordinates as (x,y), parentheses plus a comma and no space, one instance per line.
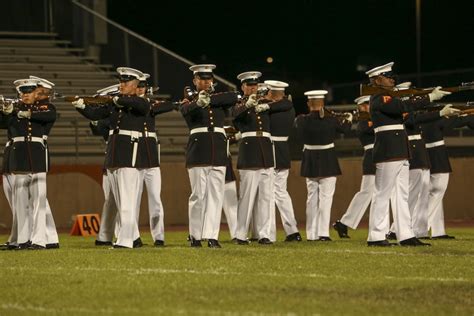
(151,175)
(206,155)
(419,174)
(391,153)
(255,164)
(433,134)
(123,160)
(108,217)
(282,117)
(44,89)
(29,124)
(319,165)
(362,199)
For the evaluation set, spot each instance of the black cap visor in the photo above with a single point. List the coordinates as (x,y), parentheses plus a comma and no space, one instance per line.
(27,89)
(204,75)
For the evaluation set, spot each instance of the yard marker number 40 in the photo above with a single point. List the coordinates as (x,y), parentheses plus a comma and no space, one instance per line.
(86,225)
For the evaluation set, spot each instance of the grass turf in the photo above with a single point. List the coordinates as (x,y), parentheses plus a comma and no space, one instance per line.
(341,277)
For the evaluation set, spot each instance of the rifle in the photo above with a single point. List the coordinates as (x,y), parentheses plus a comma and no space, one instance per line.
(371,90)
(94,100)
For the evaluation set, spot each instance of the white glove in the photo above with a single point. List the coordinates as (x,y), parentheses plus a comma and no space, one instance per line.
(449,111)
(437,94)
(24,114)
(204,99)
(115,99)
(261,107)
(79,104)
(94,123)
(251,101)
(8,109)
(349,117)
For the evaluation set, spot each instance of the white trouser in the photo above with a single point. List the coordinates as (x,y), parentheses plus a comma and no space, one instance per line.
(29,201)
(318,206)
(418,199)
(230,206)
(205,201)
(109,210)
(151,177)
(253,229)
(7,179)
(360,202)
(125,184)
(51,233)
(284,204)
(389,176)
(256,196)
(438,186)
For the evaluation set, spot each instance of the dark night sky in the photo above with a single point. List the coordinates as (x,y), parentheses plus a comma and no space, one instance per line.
(310,41)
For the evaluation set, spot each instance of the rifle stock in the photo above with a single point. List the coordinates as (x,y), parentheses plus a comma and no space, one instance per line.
(89,100)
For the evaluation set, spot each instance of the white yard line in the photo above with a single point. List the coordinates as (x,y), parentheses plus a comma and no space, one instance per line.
(220,272)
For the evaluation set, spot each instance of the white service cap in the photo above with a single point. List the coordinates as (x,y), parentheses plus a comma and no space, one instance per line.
(362,99)
(276,85)
(404,85)
(316,94)
(127,73)
(204,71)
(249,77)
(43,82)
(110,89)
(380,70)
(26,85)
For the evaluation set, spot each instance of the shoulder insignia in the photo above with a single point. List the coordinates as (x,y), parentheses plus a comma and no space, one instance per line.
(386,99)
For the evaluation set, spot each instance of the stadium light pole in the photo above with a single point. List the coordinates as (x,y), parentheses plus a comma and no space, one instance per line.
(418,42)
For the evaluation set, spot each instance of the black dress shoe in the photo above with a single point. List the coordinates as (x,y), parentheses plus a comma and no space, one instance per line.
(36,247)
(52,246)
(213,243)
(424,238)
(391,236)
(103,243)
(23,246)
(413,242)
(159,243)
(380,243)
(324,238)
(443,237)
(265,241)
(195,243)
(241,241)
(234,240)
(341,229)
(294,237)
(137,243)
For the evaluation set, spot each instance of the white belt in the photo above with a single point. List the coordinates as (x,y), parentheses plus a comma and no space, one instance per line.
(134,134)
(389,128)
(279,138)
(369,146)
(318,147)
(256,134)
(435,144)
(27,139)
(414,137)
(207,130)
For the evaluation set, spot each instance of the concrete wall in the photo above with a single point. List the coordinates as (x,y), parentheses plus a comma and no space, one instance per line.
(77,189)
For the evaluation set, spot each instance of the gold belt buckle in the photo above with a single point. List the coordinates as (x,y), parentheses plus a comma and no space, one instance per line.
(259,133)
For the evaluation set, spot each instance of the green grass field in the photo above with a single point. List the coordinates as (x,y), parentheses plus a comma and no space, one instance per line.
(342,277)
